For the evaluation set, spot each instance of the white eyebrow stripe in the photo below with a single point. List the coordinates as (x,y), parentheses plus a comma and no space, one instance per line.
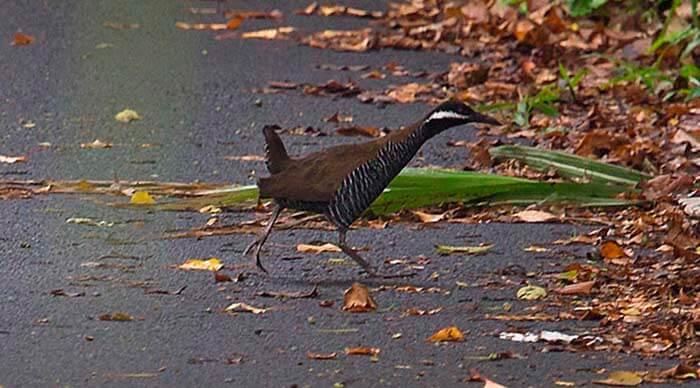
(445,115)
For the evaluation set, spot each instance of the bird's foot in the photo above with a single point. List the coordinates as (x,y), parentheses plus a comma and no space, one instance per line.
(250,246)
(259,265)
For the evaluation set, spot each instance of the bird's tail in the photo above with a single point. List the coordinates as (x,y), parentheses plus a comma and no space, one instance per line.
(276,156)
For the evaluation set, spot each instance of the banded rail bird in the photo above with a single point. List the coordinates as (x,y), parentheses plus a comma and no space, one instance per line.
(342,181)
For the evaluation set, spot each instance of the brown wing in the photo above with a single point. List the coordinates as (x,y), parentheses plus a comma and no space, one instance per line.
(316,177)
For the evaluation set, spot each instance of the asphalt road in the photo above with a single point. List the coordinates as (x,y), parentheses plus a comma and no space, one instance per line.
(193,93)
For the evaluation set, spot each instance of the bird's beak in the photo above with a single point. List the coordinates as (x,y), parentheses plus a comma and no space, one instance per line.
(481,118)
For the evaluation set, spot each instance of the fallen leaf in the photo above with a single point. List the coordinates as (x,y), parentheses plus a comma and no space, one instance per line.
(291,295)
(269,34)
(428,218)
(127,116)
(89,221)
(121,26)
(451,333)
(212,264)
(488,383)
(142,198)
(308,248)
(358,131)
(621,379)
(362,351)
(448,249)
(118,317)
(531,292)
(534,216)
(320,356)
(583,288)
(21,39)
(96,144)
(245,158)
(613,252)
(12,159)
(61,292)
(234,23)
(536,249)
(338,118)
(358,300)
(244,308)
(202,26)
(222,277)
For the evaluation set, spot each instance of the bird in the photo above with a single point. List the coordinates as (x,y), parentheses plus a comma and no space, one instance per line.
(341,182)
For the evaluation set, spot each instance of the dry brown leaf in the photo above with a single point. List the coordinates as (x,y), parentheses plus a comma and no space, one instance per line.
(320,356)
(234,23)
(358,131)
(583,288)
(612,252)
(308,248)
(358,300)
(21,39)
(338,118)
(362,351)
(428,218)
(118,317)
(534,216)
(269,34)
(451,333)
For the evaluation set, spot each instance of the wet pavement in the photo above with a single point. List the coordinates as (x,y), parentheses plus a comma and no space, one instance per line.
(194,95)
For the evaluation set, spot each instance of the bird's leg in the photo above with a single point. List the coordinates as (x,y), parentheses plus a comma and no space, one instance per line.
(351,252)
(261,239)
(359,260)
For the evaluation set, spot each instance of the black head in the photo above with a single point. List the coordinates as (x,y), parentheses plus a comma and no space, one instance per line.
(453,113)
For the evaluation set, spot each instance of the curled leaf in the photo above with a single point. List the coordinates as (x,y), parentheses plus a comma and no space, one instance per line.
(451,333)
(358,300)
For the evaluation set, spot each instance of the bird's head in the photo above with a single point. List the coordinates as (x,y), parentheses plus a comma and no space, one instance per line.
(452,113)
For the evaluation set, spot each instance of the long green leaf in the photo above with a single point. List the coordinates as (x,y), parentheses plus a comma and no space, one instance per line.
(569,165)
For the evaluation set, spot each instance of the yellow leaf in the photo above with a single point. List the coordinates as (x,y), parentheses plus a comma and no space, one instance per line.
(212,264)
(448,250)
(127,115)
(531,292)
(308,248)
(244,308)
(142,198)
(621,379)
(451,333)
(358,300)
